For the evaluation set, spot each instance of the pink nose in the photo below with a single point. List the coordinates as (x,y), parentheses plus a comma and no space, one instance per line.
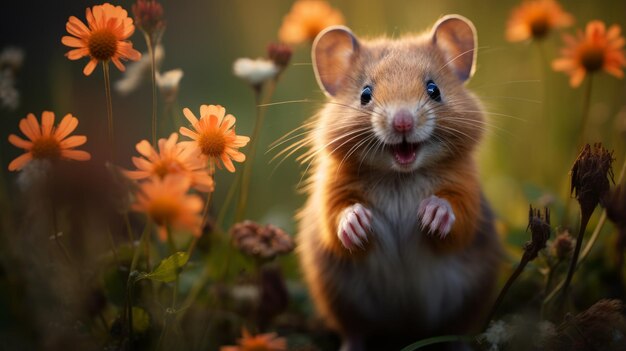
(403,121)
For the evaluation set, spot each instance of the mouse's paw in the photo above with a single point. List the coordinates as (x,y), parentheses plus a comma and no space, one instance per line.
(436,216)
(354,225)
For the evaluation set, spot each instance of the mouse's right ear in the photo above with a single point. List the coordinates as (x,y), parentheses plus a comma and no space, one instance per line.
(334,52)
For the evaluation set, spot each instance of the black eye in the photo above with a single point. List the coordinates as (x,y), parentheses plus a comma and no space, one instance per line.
(433,91)
(366,95)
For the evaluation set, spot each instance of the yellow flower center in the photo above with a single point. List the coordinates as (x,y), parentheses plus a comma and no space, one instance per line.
(539,26)
(46,147)
(163,211)
(592,58)
(212,143)
(165,167)
(102,44)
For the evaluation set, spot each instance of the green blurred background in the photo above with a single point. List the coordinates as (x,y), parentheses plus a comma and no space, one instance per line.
(534,113)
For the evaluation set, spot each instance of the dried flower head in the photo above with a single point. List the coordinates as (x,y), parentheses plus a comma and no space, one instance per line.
(535,19)
(615,204)
(562,246)
(149,17)
(306,19)
(594,50)
(590,176)
(172,158)
(255,72)
(214,135)
(280,54)
(168,83)
(260,342)
(46,141)
(601,327)
(166,201)
(263,242)
(539,225)
(105,39)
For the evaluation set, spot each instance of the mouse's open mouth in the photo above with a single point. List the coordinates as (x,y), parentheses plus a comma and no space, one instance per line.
(405,153)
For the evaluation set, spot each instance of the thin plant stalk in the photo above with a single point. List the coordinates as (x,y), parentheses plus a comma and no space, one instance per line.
(247,169)
(590,243)
(109,103)
(150,44)
(53,216)
(131,281)
(584,221)
(505,289)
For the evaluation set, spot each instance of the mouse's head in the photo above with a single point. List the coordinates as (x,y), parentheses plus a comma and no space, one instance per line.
(399,104)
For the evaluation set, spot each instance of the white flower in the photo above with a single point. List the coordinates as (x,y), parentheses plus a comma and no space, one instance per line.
(255,71)
(168,83)
(12,57)
(137,71)
(497,334)
(9,96)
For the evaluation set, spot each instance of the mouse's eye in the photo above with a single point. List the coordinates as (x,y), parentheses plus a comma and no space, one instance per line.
(433,91)
(366,95)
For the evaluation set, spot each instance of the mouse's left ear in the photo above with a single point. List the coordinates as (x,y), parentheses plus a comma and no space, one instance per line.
(455,35)
(334,52)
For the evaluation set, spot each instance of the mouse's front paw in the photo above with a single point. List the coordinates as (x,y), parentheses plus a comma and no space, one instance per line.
(354,225)
(436,216)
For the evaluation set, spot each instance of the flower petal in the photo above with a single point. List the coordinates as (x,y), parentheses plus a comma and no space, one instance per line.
(20,161)
(77,53)
(145,148)
(126,50)
(78,155)
(68,125)
(90,67)
(228,163)
(76,27)
(118,64)
(190,117)
(73,141)
(47,120)
(19,142)
(188,133)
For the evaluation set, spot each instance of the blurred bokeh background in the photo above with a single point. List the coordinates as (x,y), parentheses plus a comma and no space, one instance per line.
(534,114)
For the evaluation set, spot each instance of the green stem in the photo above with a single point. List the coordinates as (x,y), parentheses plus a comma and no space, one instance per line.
(437,340)
(254,142)
(107,90)
(150,45)
(131,282)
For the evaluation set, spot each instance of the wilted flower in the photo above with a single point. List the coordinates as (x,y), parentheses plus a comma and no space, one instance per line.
(601,327)
(166,201)
(255,72)
(306,19)
(590,176)
(280,54)
(261,342)
(105,39)
(172,158)
(136,72)
(562,245)
(214,135)
(168,83)
(263,242)
(46,141)
(149,17)
(539,225)
(535,19)
(596,49)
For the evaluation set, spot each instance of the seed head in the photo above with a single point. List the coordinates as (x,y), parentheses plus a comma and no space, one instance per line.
(539,225)
(263,242)
(280,54)
(590,176)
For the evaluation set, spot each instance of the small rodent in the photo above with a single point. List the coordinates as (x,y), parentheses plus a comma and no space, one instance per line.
(396,240)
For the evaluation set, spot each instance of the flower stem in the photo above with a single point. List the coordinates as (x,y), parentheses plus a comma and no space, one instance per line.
(585,109)
(505,289)
(590,242)
(254,142)
(107,90)
(584,220)
(150,45)
(131,282)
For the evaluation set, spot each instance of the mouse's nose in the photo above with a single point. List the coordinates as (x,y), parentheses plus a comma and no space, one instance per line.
(403,121)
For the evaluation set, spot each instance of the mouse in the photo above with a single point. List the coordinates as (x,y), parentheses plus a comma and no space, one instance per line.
(396,240)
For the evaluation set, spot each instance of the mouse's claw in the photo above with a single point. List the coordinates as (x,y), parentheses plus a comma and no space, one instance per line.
(354,225)
(436,216)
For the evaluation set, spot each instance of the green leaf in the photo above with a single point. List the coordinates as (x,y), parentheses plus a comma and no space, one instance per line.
(167,269)
(141,320)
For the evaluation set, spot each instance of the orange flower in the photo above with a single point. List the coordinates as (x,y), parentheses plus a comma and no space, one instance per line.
(172,158)
(596,49)
(306,19)
(104,40)
(215,136)
(535,18)
(261,342)
(46,141)
(166,201)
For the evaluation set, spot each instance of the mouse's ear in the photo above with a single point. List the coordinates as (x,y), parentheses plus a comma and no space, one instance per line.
(455,35)
(334,52)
